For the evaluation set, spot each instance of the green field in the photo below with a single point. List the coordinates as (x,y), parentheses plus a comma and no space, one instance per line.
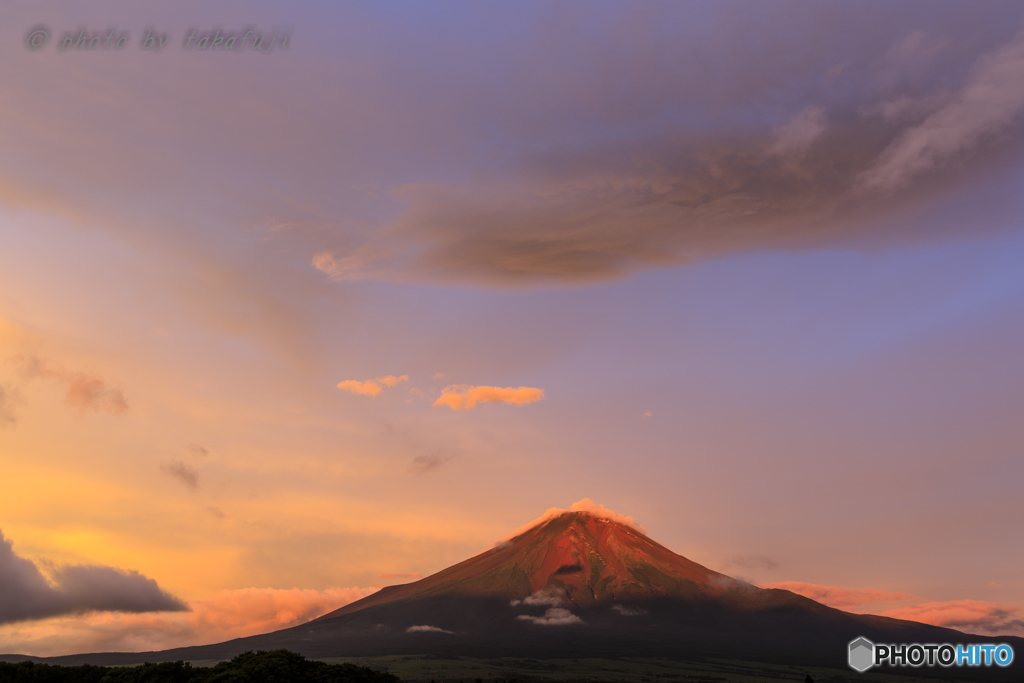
(467,670)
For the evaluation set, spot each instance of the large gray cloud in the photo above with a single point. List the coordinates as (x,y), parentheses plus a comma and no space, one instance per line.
(543,142)
(26,593)
(868,170)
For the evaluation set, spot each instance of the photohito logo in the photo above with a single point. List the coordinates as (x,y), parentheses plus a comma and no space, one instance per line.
(863,654)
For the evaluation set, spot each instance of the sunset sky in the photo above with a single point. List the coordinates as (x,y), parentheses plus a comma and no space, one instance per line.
(278,329)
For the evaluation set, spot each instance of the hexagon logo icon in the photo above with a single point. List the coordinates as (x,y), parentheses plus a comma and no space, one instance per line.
(862,654)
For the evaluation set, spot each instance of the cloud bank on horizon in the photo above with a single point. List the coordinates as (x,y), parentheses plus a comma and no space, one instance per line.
(74,589)
(971,616)
(229,614)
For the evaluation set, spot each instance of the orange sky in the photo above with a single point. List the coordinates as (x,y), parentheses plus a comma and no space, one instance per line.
(276,330)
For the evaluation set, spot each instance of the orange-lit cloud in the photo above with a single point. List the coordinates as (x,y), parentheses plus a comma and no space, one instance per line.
(84,390)
(587,505)
(371,387)
(964,615)
(464,396)
(840,598)
(583,505)
(229,614)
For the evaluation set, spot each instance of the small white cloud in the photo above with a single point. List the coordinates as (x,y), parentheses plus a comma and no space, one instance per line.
(556,616)
(427,629)
(545,597)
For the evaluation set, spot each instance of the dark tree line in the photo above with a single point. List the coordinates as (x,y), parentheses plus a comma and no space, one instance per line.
(279,666)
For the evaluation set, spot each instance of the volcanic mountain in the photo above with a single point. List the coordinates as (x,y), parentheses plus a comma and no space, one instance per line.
(579,584)
(576,560)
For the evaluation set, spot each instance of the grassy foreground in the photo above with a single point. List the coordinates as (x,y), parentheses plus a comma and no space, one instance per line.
(282,666)
(279,666)
(424,668)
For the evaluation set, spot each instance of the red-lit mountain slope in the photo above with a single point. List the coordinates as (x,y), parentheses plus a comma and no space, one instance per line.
(578,556)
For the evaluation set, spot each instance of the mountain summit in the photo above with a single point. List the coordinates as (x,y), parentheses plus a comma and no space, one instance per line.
(577,559)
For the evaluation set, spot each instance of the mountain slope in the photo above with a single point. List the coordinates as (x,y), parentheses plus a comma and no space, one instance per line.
(577,555)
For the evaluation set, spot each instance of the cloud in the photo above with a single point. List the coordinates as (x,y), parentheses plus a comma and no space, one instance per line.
(840,598)
(646,415)
(556,616)
(7,400)
(401,576)
(587,505)
(228,614)
(85,391)
(988,103)
(73,589)
(964,615)
(628,611)
(182,472)
(731,583)
(551,597)
(800,133)
(427,629)
(584,505)
(995,585)
(371,387)
(422,464)
(197,449)
(440,375)
(647,164)
(464,396)
(884,143)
